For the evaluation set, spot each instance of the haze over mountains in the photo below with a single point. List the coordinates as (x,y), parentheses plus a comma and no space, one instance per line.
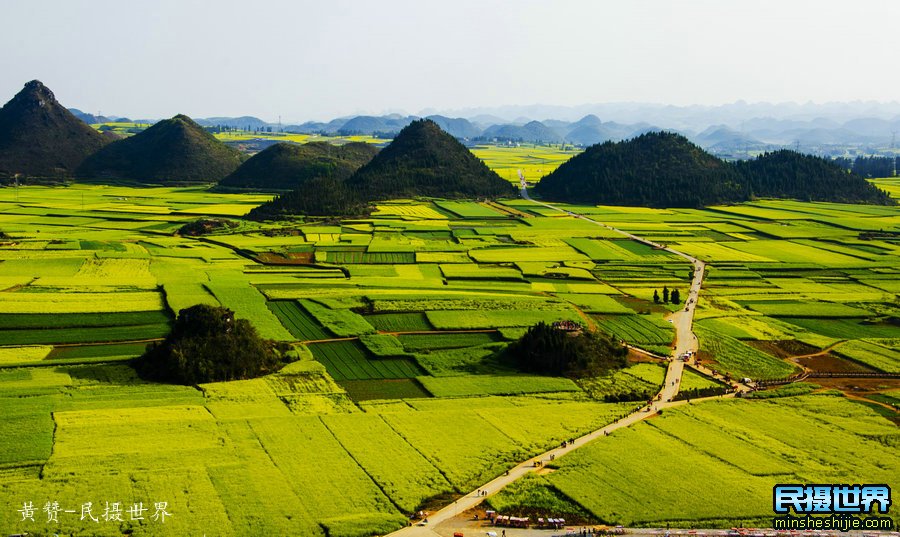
(727,129)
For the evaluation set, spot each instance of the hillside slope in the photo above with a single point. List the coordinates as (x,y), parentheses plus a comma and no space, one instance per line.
(39,137)
(173,151)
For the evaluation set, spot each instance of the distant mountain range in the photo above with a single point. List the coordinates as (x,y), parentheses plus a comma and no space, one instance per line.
(831,133)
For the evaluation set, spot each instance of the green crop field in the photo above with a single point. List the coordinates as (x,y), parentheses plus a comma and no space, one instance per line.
(88,273)
(725,443)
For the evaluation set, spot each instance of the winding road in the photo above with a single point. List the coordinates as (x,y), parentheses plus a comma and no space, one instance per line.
(685,341)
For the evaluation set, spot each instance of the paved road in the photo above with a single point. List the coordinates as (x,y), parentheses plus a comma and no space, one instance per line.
(685,341)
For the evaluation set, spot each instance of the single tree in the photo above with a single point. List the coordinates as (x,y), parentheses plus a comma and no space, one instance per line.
(676,296)
(656,296)
(665,294)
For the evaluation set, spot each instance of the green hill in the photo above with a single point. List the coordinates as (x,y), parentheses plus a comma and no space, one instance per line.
(173,151)
(422,160)
(656,169)
(39,137)
(286,166)
(788,174)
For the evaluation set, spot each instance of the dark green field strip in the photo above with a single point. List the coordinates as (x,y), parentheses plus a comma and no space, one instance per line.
(400,322)
(349,360)
(375,258)
(26,430)
(418,342)
(96,351)
(41,321)
(298,321)
(845,328)
(102,245)
(84,335)
(635,329)
(367,390)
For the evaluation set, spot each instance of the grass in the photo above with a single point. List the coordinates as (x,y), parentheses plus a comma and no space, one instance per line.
(876,356)
(300,323)
(844,328)
(471,320)
(400,322)
(741,360)
(101,334)
(638,329)
(349,360)
(421,342)
(638,382)
(398,468)
(367,390)
(478,385)
(725,442)
(343,323)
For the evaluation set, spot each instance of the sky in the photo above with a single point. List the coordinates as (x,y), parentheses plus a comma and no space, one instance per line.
(316,60)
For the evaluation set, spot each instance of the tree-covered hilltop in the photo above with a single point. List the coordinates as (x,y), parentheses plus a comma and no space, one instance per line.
(788,174)
(39,137)
(661,169)
(286,166)
(422,160)
(173,151)
(208,344)
(656,169)
(548,350)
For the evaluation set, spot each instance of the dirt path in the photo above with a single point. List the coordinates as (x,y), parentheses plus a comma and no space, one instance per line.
(685,341)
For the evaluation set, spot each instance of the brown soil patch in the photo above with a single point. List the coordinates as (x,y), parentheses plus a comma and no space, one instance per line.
(784,348)
(857,385)
(830,363)
(271,258)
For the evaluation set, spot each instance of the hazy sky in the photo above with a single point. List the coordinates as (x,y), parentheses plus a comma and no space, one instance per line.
(324,58)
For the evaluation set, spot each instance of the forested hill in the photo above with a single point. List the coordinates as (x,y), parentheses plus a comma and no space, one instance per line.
(39,137)
(657,169)
(286,166)
(661,169)
(788,174)
(422,160)
(173,151)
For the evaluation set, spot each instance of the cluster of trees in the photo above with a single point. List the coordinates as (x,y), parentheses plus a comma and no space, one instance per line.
(205,226)
(870,166)
(422,160)
(674,296)
(546,350)
(207,344)
(661,169)
(788,174)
